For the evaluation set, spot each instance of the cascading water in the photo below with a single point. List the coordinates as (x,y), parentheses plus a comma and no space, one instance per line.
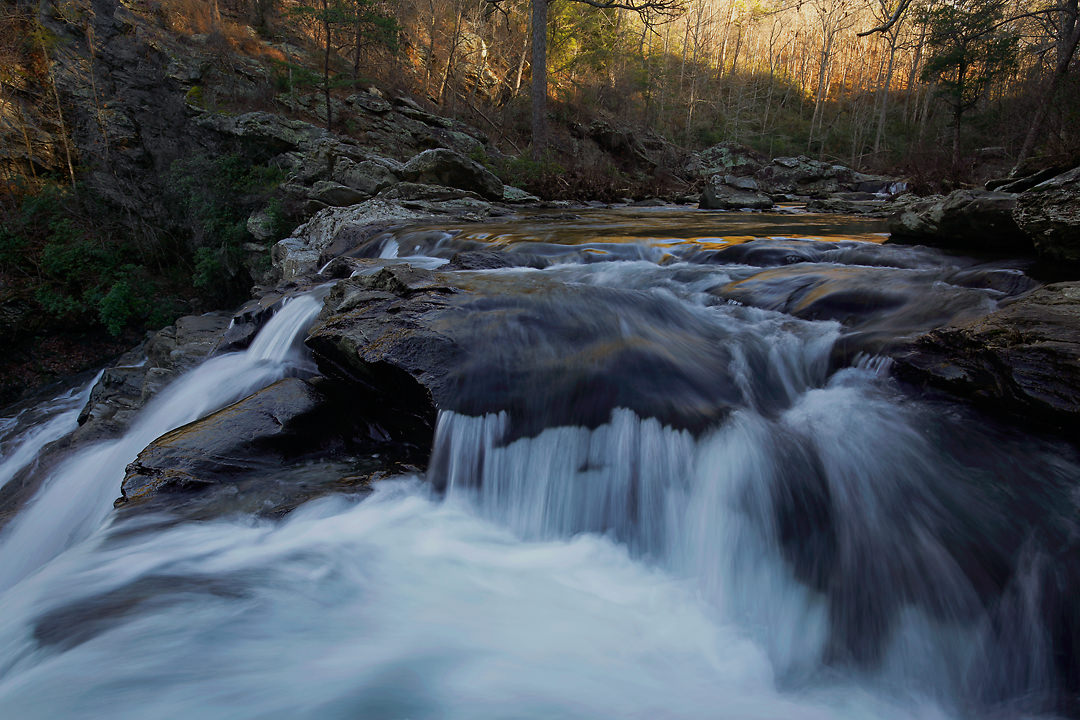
(77,497)
(23,436)
(832,547)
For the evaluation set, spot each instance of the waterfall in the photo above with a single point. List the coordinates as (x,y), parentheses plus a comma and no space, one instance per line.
(51,421)
(76,499)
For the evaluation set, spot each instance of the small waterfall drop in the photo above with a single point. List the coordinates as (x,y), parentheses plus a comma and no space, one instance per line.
(53,420)
(76,499)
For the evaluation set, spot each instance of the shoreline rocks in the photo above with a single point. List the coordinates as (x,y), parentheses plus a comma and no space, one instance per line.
(1041,218)
(1023,358)
(979,220)
(1049,213)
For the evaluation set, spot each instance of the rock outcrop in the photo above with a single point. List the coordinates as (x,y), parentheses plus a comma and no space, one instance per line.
(1025,357)
(731,193)
(127,385)
(445,167)
(969,220)
(1049,214)
(733,166)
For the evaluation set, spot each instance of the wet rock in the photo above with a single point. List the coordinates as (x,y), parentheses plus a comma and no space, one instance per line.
(1049,213)
(544,352)
(299,255)
(877,310)
(252,315)
(267,453)
(479,260)
(719,196)
(446,167)
(1025,357)
(137,376)
(968,220)
(249,434)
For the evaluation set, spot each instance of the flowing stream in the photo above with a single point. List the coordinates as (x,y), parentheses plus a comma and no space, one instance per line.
(832,545)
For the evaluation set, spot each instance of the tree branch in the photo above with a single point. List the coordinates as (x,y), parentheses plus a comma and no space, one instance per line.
(887,25)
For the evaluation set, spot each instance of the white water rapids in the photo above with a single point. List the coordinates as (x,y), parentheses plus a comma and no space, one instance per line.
(625,571)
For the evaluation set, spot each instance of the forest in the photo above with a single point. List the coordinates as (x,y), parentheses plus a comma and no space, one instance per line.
(110,223)
(927,86)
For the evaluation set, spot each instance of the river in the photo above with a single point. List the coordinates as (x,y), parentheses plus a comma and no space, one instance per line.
(735,511)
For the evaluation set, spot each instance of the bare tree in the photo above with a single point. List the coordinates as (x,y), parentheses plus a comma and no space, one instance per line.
(650,12)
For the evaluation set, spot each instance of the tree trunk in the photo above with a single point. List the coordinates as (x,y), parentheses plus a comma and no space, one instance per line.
(539,78)
(454,42)
(520,67)
(885,94)
(430,49)
(358,37)
(59,111)
(326,62)
(819,99)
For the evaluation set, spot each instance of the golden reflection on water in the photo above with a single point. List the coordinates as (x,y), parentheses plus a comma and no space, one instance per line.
(663,227)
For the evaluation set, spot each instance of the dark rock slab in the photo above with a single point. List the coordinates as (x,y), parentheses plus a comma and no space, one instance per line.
(267,453)
(1024,357)
(249,434)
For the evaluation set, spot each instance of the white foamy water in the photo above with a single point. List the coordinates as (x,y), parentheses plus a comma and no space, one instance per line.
(52,421)
(399,606)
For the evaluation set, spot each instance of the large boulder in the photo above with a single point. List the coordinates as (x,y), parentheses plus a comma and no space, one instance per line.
(250,434)
(719,195)
(545,352)
(1024,357)
(969,220)
(446,167)
(1049,214)
(368,176)
(726,158)
(299,255)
